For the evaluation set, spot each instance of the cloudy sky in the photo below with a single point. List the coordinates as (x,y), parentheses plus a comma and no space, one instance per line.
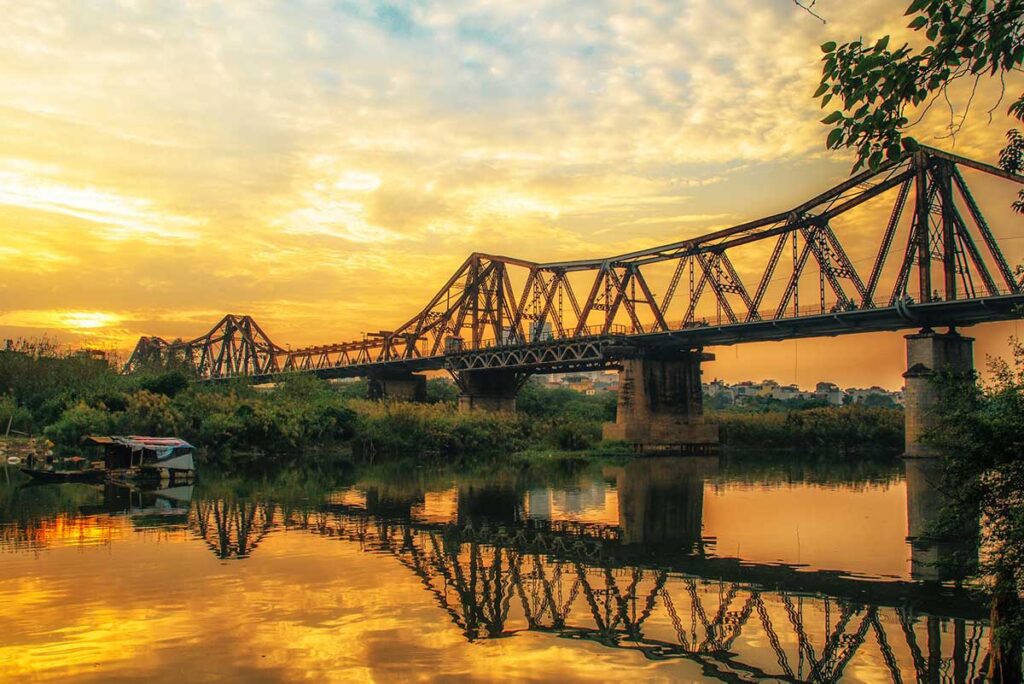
(325,166)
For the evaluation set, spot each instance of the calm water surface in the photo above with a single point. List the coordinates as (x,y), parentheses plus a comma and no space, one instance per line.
(662,569)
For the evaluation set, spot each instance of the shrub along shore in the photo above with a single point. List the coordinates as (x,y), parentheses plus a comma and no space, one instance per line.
(65,397)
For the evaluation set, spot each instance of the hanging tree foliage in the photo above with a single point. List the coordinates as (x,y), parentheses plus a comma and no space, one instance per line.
(876,86)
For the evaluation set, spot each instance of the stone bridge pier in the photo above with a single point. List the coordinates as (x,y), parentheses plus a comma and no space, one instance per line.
(489,390)
(929,355)
(403,386)
(660,405)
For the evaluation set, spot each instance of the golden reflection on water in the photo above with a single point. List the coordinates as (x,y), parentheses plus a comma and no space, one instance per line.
(484,581)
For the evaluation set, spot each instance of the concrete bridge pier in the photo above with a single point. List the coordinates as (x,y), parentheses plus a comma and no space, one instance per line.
(489,390)
(403,386)
(660,406)
(929,354)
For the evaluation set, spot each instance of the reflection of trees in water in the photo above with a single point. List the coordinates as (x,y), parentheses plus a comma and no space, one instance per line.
(579,581)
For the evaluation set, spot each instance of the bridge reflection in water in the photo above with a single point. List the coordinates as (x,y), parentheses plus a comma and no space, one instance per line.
(501,563)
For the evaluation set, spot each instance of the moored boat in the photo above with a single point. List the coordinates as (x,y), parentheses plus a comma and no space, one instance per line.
(50,475)
(133,458)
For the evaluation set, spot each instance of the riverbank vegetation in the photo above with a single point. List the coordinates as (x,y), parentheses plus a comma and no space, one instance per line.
(837,429)
(65,396)
(980,433)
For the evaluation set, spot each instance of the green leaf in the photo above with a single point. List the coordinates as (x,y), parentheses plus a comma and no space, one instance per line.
(821,90)
(918,23)
(833,117)
(834,137)
(830,46)
(882,43)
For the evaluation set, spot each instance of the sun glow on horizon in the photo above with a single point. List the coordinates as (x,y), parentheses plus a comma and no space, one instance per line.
(89,319)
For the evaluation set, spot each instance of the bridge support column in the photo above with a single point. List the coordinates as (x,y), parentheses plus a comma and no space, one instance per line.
(400,386)
(488,390)
(928,354)
(660,405)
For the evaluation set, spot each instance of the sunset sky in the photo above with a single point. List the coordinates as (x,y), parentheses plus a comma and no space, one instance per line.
(325,166)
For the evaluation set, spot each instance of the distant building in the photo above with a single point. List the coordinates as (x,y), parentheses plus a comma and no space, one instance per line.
(586,382)
(829,392)
(724,394)
(874,393)
(746,389)
(716,388)
(788,393)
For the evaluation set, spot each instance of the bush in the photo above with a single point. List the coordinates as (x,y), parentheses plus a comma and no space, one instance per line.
(404,429)
(573,434)
(847,428)
(545,402)
(169,384)
(78,421)
(12,415)
(149,414)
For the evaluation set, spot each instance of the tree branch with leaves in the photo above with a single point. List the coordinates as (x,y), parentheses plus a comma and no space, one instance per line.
(878,88)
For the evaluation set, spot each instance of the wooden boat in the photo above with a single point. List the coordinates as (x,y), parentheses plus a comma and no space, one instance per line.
(127,459)
(135,458)
(47,475)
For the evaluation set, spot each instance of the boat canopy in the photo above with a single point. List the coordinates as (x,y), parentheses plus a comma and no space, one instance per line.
(133,451)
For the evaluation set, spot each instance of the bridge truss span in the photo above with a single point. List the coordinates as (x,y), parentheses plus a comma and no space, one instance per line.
(903,246)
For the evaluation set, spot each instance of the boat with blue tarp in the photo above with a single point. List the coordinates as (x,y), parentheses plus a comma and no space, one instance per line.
(127,458)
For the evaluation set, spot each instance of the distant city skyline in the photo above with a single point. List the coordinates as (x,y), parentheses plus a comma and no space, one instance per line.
(606,380)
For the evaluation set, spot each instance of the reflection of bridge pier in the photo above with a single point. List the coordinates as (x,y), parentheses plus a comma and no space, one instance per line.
(661,500)
(489,504)
(660,404)
(935,556)
(386,503)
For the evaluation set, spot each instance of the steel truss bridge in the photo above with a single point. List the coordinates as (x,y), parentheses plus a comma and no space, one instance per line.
(579,581)
(905,246)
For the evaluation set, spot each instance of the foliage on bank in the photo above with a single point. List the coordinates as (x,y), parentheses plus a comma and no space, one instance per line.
(545,419)
(980,431)
(68,396)
(836,429)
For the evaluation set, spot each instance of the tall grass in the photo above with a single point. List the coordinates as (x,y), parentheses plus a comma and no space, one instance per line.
(841,429)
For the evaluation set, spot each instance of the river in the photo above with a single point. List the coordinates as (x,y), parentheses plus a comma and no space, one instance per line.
(662,569)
